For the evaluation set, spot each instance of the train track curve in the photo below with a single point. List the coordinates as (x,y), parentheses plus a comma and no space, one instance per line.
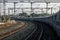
(43,32)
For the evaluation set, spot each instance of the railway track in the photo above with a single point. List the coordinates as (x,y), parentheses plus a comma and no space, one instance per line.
(43,32)
(37,34)
(49,33)
(13,31)
(19,35)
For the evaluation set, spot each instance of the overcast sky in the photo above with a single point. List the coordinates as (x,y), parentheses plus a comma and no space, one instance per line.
(54,3)
(57,1)
(35,5)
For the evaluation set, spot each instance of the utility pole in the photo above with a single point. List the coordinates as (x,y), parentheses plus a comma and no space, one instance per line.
(59,8)
(0,12)
(12,10)
(51,10)
(59,13)
(0,9)
(9,13)
(4,5)
(52,13)
(47,7)
(31,6)
(15,7)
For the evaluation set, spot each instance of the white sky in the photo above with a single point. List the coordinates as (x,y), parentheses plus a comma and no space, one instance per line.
(52,1)
(35,5)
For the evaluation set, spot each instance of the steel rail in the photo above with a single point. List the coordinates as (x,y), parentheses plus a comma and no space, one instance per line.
(36,34)
(13,32)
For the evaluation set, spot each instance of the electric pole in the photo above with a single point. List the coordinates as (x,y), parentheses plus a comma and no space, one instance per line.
(59,8)
(4,6)
(15,7)
(51,10)
(0,12)
(47,7)
(31,6)
(9,13)
(59,13)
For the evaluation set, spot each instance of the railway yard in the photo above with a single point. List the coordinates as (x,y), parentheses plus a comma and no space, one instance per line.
(27,30)
(29,20)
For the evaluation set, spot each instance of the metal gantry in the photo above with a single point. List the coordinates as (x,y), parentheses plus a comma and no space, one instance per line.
(32,9)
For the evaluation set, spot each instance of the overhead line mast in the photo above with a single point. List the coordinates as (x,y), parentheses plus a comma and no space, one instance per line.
(4,6)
